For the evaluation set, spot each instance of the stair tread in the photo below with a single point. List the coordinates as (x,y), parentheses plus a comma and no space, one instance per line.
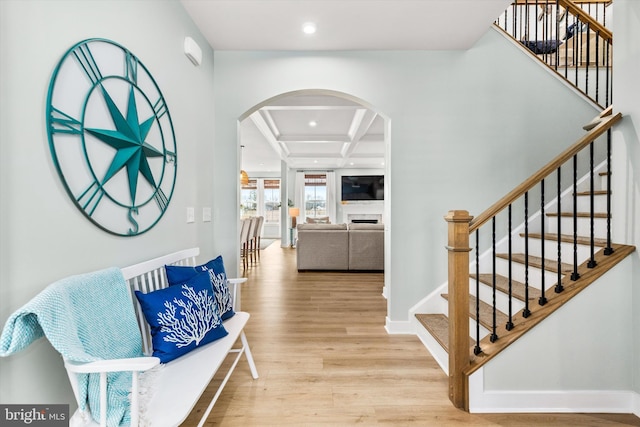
(438,327)
(595,193)
(537,262)
(578,214)
(502,284)
(582,240)
(486,313)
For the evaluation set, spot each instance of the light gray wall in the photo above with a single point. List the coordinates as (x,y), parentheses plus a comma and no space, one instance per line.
(602,324)
(575,347)
(43,237)
(467,126)
(626,143)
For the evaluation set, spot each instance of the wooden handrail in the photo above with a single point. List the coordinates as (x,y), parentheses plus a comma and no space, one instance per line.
(606,122)
(574,9)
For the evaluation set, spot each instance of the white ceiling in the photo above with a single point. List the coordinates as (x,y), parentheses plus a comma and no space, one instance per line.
(347,134)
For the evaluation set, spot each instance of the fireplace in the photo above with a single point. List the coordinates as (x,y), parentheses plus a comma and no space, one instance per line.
(364,218)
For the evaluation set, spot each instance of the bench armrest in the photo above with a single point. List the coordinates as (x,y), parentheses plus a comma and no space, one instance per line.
(134,364)
(102,367)
(234,284)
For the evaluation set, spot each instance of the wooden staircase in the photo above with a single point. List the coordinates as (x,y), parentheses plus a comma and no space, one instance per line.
(527,282)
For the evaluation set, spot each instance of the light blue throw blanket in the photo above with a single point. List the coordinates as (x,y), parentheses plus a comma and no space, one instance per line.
(87,317)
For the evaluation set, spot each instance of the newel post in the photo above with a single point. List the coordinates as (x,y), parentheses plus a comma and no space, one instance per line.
(459,360)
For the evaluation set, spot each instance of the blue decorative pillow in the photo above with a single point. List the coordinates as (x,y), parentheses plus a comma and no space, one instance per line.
(181,317)
(214,269)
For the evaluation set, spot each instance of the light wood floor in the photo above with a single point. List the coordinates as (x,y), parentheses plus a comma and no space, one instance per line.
(324,358)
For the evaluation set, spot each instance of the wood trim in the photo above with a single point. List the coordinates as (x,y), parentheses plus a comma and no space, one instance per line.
(458,249)
(571,7)
(532,2)
(606,122)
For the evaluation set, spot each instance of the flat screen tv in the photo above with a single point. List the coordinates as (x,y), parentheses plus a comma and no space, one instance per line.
(363,187)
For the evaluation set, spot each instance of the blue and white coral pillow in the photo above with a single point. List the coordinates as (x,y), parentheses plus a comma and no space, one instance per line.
(213,269)
(182,317)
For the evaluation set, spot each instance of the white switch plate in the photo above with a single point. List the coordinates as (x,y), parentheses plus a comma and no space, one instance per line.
(191,214)
(206,214)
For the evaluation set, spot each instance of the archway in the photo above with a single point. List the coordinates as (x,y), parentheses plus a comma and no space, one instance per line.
(290,132)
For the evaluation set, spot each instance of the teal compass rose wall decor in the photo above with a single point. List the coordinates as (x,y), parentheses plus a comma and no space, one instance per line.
(111,137)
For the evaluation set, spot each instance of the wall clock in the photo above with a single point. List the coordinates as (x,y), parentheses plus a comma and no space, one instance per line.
(111,137)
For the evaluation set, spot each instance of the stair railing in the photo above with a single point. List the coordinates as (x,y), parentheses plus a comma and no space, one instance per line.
(461,226)
(568,36)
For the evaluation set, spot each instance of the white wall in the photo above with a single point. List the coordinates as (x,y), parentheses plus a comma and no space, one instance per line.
(43,237)
(626,149)
(465,125)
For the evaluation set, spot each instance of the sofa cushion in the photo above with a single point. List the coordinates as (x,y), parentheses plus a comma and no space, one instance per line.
(322,227)
(365,226)
(318,220)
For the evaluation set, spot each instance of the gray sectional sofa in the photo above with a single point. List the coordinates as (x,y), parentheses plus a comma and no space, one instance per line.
(354,247)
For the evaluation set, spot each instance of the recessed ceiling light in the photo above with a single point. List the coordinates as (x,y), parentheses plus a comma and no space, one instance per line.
(309,28)
(313,123)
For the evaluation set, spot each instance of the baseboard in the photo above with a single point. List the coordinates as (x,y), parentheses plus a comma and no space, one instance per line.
(551,401)
(432,303)
(395,327)
(434,348)
(636,404)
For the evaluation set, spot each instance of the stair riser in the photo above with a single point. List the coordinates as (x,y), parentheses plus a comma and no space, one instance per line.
(518,273)
(584,228)
(599,203)
(502,299)
(472,327)
(472,330)
(551,250)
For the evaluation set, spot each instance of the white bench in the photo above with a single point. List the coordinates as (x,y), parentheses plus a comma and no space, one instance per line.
(179,384)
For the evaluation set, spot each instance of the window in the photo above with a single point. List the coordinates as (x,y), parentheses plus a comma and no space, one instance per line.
(315,195)
(271,201)
(261,197)
(249,199)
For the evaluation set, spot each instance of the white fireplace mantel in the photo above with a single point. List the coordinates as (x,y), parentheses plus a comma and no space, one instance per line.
(362,210)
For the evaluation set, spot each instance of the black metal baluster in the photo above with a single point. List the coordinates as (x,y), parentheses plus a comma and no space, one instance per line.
(592,261)
(597,66)
(608,250)
(556,53)
(494,336)
(526,312)
(543,299)
(575,275)
(477,350)
(509,324)
(515,19)
(586,69)
(535,27)
(576,49)
(559,288)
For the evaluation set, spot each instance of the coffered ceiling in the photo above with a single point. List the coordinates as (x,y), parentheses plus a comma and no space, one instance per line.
(313,132)
(346,134)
